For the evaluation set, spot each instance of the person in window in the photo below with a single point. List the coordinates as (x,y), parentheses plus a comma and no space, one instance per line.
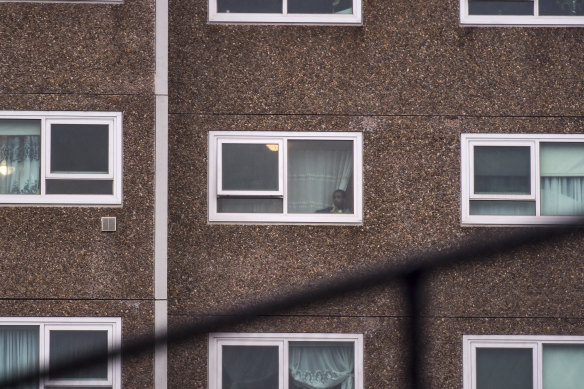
(339,198)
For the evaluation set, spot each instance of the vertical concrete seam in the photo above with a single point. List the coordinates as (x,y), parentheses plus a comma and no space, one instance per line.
(161,191)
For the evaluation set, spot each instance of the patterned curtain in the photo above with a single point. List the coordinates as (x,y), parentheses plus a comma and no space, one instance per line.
(20,164)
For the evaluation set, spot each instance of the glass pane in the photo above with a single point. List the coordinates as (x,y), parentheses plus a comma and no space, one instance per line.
(249,6)
(504,368)
(249,166)
(320,6)
(82,187)
(250,367)
(321,365)
(249,205)
(563,366)
(320,176)
(67,346)
(20,156)
(562,181)
(561,7)
(502,170)
(496,207)
(79,148)
(500,7)
(19,352)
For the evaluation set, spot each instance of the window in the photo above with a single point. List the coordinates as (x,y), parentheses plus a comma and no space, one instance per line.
(523,362)
(522,12)
(286,11)
(34,343)
(285,361)
(287,177)
(522,179)
(60,158)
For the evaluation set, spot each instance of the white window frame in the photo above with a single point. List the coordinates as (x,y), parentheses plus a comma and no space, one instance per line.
(284,17)
(216,340)
(113,326)
(47,118)
(468,141)
(216,138)
(534,342)
(517,20)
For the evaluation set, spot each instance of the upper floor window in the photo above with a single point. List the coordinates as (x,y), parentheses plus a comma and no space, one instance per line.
(285,361)
(289,177)
(30,344)
(522,12)
(523,362)
(60,158)
(286,11)
(522,179)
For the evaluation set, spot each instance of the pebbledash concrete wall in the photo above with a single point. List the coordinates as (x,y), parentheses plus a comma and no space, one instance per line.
(55,261)
(411,79)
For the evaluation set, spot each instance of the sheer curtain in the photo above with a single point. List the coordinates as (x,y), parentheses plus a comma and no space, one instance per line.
(319,365)
(562,178)
(20,143)
(19,352)
(315,170)
(562,366)
(250,367)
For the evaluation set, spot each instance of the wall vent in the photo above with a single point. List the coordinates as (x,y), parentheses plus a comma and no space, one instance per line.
(108,224)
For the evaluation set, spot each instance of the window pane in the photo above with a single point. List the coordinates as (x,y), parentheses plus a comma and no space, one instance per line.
(320,6)
(321,365)
(320,176)
(504,368)
(561,7)
(249,205)
(250,367)
(250,166)
(88,187)
(249,6)
(79,148)
(502,170)
(67,346)
(495,207)
(563,366)
(562,181)
(20,155)
(19,352)
(500,7)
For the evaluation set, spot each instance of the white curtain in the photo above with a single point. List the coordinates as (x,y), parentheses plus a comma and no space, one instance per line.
(19,352)
(20,152)
(562,178)
(253,367)
(315,170)
(322,365)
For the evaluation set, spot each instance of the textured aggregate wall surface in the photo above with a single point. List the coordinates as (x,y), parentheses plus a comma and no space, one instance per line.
(412,80)
(55,261)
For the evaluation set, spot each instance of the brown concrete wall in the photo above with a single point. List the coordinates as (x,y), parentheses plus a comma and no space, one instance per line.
(412,80)
(55,261)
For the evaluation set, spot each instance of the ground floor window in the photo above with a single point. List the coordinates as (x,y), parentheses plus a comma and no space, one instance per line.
(285,361)
(30,344)
(523,362)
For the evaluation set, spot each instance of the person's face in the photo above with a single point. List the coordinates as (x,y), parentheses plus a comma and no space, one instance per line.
(338,199)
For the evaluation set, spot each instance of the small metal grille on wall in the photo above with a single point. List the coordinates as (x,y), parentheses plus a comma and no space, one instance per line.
(108,224)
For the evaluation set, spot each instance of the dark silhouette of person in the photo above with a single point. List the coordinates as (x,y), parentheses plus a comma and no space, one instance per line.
(339,206)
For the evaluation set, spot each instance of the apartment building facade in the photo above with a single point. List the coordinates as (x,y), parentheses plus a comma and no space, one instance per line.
(441,123)
(305,141)
(77,123)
